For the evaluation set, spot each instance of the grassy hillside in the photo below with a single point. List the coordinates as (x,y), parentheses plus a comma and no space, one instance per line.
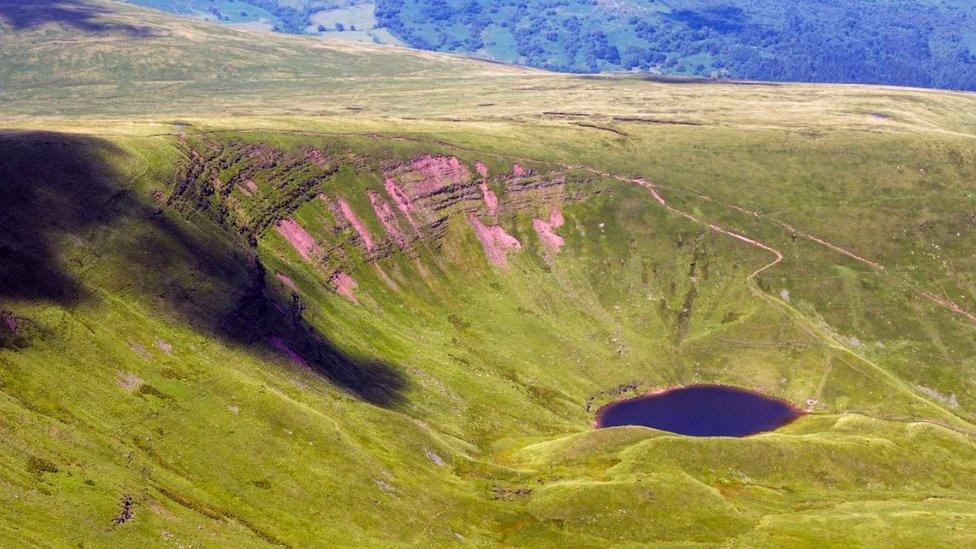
(916,43)
(309,294)
(925,43)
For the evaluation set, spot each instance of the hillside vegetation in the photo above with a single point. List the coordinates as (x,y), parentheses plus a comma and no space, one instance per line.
(922,43)
(269,290)
(914,43)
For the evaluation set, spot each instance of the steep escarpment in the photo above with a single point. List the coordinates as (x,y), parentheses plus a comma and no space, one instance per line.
(395,205)
(223,181)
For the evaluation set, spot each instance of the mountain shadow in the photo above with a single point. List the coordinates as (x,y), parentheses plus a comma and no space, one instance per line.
(63,211)
(80,14)
(40,175)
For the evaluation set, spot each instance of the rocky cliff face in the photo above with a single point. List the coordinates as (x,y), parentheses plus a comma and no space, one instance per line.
(397,205)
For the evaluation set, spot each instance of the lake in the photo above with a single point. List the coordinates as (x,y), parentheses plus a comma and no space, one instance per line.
(701,411)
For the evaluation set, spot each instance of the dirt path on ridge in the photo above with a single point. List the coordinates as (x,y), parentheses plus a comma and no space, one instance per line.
(664,203)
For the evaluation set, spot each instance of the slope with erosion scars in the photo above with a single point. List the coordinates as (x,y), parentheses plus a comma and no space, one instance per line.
(430,189)
(426,189)
(946,303)
(434,184)
(941,301)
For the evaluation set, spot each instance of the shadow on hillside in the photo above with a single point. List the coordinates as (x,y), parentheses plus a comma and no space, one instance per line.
(40,175)
(84,16)
(62,212)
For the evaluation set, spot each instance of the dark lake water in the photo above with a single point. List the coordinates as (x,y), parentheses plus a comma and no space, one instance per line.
(701,411)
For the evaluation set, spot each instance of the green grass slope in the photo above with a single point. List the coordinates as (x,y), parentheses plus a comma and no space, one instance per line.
(274,328)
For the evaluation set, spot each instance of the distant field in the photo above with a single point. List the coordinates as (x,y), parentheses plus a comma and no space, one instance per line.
(360,16)
(223,11)
(357,21)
